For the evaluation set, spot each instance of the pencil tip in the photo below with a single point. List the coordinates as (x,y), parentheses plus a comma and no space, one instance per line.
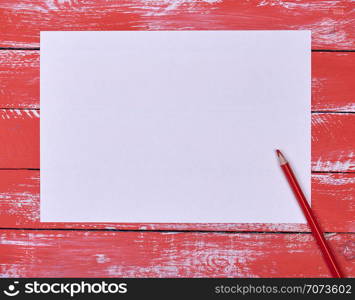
(281,158)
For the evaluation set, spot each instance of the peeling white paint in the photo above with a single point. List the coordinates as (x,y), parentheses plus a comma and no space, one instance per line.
(35,112)
(11,271)
(322,165)
(331,179)
(28,113)
(22,243)
(165,7)
(298,4)
(102,258)
(327,31)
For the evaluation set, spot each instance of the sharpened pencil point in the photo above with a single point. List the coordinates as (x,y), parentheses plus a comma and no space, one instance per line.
(281,158)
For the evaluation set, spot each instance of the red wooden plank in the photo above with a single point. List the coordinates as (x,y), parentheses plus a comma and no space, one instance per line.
(332,81)
(332,77)
(333,140)
(333,201)
(138,254)
(19,79)
(331,22)
(112,254)
(19,138)
(332,197)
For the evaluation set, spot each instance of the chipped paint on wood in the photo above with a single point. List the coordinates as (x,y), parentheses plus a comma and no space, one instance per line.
(331,22)
(333,200)
(332,196)
(19,79)
(145,254)
(332,77)
(333,141)
(332,81)
(153,254)
(19,138)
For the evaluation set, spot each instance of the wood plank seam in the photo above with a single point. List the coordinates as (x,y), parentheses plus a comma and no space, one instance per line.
(221,257)
(173,231)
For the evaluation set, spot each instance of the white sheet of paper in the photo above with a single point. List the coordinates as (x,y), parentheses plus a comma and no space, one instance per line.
(173,126)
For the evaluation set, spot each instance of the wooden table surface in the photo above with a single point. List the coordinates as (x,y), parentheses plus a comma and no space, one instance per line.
(31,249)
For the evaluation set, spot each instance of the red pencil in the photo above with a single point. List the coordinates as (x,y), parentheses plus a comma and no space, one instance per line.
(312,221)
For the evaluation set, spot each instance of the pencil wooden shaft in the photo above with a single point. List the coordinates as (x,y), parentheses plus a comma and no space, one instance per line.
(312,221)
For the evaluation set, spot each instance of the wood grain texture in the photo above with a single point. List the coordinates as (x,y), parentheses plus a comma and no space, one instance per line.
(333,140)
(153,254)
(331,22)
(332,80)
(87,253)
(332,196)
(19,79)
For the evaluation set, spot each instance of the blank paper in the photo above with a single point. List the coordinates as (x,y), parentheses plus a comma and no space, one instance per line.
(173,126)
